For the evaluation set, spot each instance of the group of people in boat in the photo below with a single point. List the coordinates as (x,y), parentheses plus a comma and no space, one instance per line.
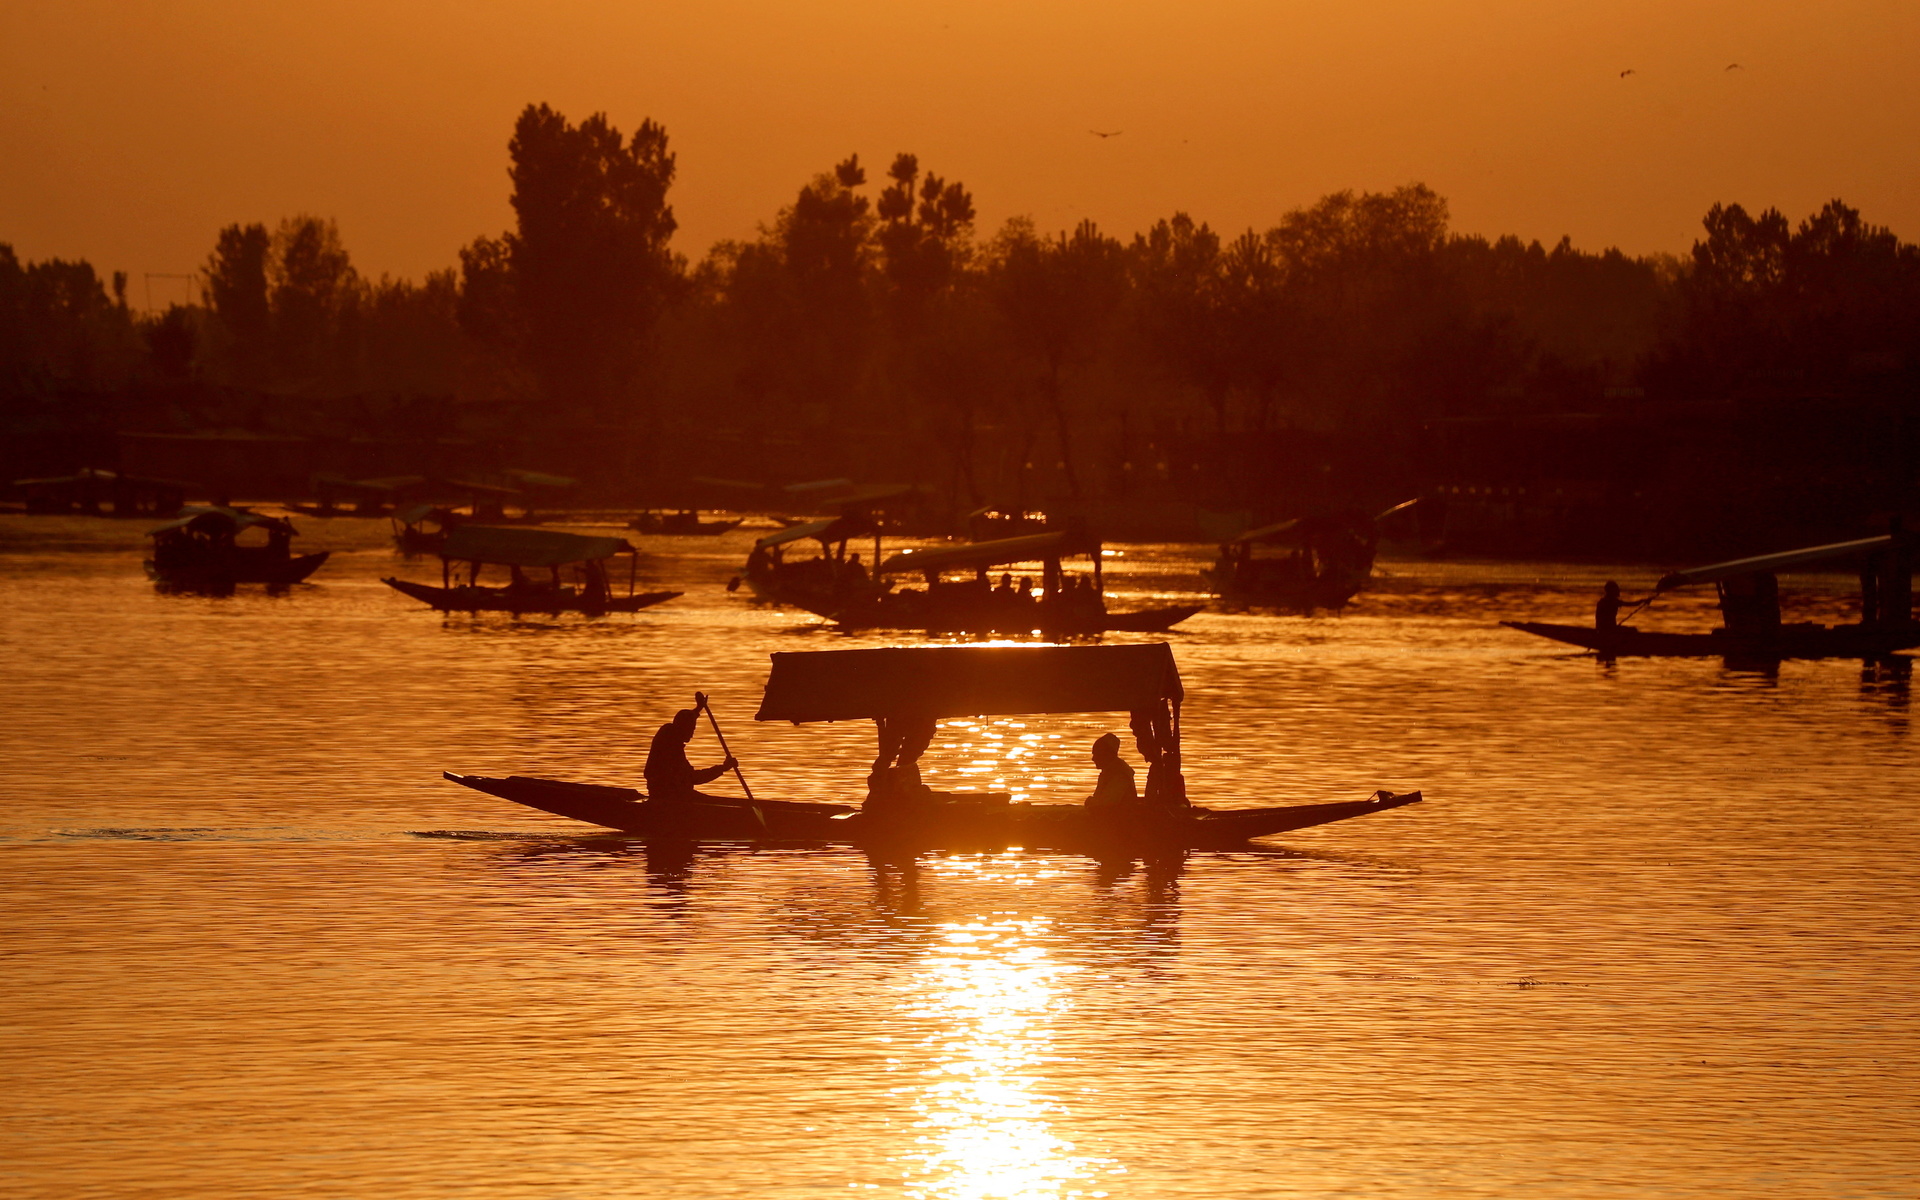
(894,781)
(1012,603)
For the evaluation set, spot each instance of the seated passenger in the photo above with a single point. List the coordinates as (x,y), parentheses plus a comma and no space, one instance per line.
(1116,787)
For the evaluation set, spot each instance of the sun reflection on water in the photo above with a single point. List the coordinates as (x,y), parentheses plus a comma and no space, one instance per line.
(988,994)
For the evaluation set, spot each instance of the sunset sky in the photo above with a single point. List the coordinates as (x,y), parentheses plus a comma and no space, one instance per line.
(131,130)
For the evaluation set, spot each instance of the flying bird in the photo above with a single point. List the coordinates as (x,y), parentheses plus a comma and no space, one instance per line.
(1097,133)
(1627,72)
(1735,67)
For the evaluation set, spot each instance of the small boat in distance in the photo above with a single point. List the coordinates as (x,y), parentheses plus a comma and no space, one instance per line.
(524,549)
(905,691)
(1750,604)
(1301,564)
(836,585)
(423,528)
(211,548)
(685,522)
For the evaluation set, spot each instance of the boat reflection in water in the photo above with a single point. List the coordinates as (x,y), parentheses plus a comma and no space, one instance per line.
(987,996)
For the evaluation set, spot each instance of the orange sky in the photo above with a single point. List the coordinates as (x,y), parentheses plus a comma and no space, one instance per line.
(130,130)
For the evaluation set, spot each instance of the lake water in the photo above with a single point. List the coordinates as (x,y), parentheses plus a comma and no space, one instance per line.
(1651,935)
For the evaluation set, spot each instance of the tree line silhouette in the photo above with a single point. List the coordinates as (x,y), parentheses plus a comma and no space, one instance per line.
(870,328)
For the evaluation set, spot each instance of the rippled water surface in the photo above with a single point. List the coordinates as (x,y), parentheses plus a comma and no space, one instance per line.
(1651,936)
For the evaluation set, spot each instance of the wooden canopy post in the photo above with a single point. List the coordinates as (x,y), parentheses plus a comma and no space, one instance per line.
(1099,585)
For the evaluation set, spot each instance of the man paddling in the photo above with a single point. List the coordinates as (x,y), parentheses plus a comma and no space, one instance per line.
(669,775)
(1606,614)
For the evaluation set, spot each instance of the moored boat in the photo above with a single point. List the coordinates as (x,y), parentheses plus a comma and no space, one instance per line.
(523,550)
(685,522)
(203,549)
(905,690)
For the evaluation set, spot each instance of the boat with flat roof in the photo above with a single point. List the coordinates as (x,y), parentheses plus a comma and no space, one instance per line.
(574,565)
(1750,605)
(906,692)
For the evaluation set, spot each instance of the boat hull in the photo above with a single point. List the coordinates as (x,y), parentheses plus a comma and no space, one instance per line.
(1792,641)
(481,599)
(217,574)
(694,529)
(989,620)
(960,825)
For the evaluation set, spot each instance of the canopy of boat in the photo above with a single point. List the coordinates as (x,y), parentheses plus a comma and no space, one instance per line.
(967,681)
(539,479)
(1805,557)
(377,487)
(1033,547)
(816,487)
(524,547)
(413,514)
(833,529)
(871,495)
(210,516)
(1277,531)
(483,489)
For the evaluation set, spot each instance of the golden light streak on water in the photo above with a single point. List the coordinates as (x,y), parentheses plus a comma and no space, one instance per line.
(991,992)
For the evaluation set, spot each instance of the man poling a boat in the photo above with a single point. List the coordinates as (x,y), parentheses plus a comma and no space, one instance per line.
(668,774)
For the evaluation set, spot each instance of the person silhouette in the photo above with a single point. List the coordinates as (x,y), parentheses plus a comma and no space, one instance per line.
(668,773)
(1606,613)
(1116,787)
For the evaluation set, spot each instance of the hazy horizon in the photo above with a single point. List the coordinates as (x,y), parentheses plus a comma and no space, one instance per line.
(138,131)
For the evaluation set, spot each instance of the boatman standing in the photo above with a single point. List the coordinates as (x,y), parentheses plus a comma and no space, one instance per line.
(669,775)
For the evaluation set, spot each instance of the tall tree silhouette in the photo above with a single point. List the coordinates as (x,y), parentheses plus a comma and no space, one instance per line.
(589,255)
(236,291)
(923,233)
(1058,296)
(800,300)
(313,298)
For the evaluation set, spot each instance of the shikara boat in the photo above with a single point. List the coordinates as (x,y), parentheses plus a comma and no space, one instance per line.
(684,523)
(422,528)
(836,586)
(338,496)
(1749,599)
(1789,641)
(1310,562)
(904,688)
(521,550)
(204,548)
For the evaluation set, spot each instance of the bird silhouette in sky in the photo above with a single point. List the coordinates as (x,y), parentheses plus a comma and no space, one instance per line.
(1097,133)
(1735,67)
(1627,72)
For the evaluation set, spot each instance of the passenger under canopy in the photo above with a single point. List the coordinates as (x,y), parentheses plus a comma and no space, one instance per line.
(968,681)
(906,690)
(1804,557)
(528,547)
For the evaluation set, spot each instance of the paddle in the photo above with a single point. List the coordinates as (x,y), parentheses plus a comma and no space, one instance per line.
(700,701)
